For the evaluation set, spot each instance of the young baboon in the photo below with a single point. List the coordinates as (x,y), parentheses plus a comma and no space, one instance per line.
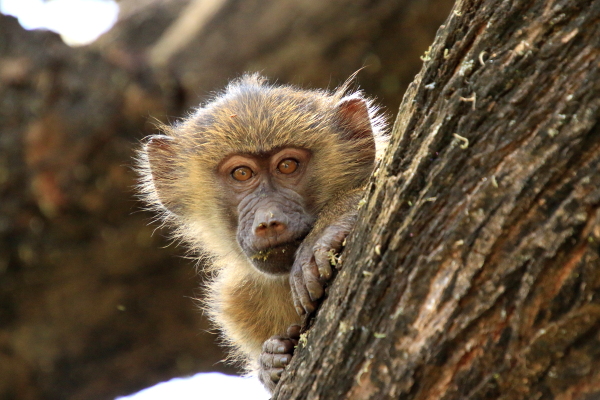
(264,182)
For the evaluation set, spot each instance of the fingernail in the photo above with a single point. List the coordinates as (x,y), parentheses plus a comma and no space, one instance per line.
(281,349)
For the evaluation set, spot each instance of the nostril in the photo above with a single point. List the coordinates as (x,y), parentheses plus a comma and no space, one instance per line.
(276,226)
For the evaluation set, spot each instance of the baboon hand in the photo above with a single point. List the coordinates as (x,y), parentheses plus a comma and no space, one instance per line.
(277,353)
(312,268)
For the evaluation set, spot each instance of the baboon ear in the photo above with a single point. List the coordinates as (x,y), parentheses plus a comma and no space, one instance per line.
(353,114)
(161,161)
(354,119)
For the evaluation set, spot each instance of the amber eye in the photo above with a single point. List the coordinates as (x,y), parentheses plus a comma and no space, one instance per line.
(242,173)
(287,166)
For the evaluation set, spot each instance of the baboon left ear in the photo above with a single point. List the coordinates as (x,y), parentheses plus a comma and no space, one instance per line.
(353,114)
(161,160)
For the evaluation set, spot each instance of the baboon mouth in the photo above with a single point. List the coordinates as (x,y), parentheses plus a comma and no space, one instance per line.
(276,260)
(272,251)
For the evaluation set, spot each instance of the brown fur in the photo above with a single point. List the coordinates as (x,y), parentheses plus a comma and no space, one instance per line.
(178,181)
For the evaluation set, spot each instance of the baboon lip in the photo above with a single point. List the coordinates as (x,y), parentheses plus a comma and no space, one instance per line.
(280,248)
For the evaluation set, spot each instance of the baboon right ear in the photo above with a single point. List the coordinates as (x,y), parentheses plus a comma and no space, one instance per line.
(161,161)
(353,115)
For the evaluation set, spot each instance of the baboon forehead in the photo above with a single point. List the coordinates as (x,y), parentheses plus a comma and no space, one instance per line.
(261,124)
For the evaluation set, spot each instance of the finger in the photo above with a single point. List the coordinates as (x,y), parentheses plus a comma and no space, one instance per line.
(294,277)
(295,298)
(276,374)
(282,360)
(293,332)
(265,360)
(304,298)
(310,273)
(278,345)
(323,261)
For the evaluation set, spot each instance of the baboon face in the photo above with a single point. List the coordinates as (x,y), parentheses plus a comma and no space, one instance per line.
(271,199)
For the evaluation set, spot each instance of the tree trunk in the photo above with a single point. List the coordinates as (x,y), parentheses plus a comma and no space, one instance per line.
(474,271)
(91,303)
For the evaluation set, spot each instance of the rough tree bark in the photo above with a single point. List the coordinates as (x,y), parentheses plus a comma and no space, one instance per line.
(474,272)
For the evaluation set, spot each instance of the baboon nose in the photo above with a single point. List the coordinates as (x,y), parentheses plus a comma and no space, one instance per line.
(269,222)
